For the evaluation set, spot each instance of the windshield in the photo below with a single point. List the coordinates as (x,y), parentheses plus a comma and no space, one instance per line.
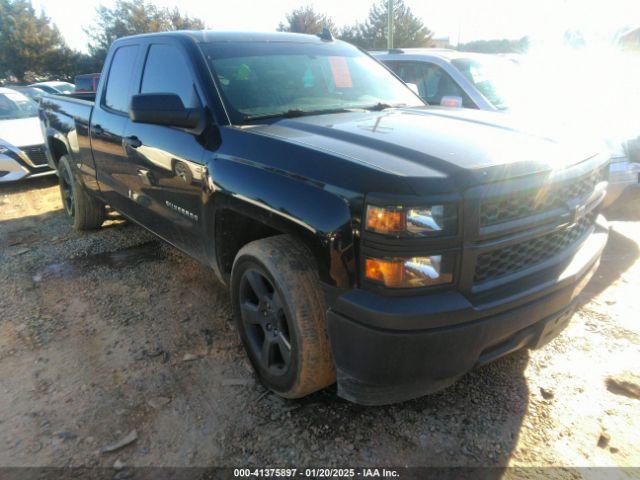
(15,105)
(65,87)
(260,79)
(32,92)
(495,78)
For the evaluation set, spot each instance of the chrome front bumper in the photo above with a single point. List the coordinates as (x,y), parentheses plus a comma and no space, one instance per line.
(11,170)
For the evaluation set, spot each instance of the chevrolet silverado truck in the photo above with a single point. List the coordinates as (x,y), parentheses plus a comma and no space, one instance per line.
(366,238)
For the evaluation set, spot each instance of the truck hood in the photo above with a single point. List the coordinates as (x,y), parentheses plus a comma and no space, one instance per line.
(21,132)
(431,142)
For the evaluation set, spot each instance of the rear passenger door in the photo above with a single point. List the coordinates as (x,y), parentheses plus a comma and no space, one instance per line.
(168,160)
(108,121)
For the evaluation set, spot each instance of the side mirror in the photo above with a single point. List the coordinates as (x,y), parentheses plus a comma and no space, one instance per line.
(163,109)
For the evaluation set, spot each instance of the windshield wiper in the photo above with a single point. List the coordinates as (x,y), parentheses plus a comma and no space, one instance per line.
(296,112)
(383,106)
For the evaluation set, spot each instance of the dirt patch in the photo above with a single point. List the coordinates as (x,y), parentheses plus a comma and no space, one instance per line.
(110,332)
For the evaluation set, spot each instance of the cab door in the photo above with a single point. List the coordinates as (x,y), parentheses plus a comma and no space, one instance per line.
(108,122)
(168,160)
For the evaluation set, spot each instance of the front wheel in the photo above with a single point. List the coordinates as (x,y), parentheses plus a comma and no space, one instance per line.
(280,315)
(87,212)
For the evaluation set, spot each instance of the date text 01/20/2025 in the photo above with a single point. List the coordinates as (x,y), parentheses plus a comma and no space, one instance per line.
(315,472)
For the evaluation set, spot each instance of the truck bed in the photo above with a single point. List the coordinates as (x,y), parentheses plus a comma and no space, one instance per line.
(62,115)
(77,106)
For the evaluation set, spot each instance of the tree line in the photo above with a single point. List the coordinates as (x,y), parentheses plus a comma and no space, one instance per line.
(32,48)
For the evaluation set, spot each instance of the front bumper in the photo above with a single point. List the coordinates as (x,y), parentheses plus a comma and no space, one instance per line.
(393,349)
(622,175)
(12,169)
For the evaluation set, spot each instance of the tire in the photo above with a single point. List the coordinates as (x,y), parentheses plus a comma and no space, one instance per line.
(87,212)
(278,303)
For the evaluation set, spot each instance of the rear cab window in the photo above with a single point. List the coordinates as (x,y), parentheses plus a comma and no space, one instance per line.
(118,90)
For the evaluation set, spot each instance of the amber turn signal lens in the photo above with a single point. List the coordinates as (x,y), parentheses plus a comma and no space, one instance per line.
(414,272)
(383,220)
(388,272)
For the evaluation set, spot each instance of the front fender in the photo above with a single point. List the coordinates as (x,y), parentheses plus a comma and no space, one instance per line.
(317,214)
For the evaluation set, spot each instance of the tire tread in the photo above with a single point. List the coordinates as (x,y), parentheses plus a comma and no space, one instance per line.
(293,266)
(89,212)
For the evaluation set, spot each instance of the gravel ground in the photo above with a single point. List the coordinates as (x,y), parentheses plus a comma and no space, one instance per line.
(111,334)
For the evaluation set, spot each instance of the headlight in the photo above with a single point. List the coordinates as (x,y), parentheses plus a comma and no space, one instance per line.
(411,272)
(412,221)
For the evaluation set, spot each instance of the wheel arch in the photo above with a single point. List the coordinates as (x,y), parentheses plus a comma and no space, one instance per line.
(283,205)
(57,146)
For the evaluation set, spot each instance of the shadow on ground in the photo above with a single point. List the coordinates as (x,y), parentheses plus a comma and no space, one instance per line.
(116,331)
(29,184)
(626,207)
(112,331)
(621,252)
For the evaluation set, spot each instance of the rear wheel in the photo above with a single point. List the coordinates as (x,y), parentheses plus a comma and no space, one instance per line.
(280,314)
(87,212)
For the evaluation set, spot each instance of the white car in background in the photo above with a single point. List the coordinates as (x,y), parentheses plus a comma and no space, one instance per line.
(451,78)
(22,152)
(55,87)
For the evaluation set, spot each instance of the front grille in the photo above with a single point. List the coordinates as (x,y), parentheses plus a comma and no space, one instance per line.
(36,154)
(512,259)
(541,199)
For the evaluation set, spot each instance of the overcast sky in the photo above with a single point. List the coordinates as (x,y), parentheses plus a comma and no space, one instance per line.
(463,19)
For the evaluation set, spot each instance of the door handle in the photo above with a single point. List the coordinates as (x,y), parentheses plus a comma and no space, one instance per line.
(97,130)
(132,141)
(146,176)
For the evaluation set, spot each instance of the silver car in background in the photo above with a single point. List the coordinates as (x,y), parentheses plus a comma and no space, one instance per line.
(452,78)
(22,152)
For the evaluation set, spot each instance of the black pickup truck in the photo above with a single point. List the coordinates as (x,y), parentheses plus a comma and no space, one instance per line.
(366,237)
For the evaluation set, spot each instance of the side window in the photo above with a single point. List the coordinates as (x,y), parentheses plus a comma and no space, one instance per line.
(166,71)
(406,71)
(432,81)
(117,96)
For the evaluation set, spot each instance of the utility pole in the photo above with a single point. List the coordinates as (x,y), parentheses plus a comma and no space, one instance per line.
(389,24)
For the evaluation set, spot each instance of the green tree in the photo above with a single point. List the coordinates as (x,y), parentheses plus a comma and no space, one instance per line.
(306,20)
(131,17)
(496,46)
(31,47)
(408,30)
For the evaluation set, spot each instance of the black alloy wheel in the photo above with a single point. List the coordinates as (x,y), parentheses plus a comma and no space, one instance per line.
(265,322)
(66,191)
(279,311)
(87,211)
